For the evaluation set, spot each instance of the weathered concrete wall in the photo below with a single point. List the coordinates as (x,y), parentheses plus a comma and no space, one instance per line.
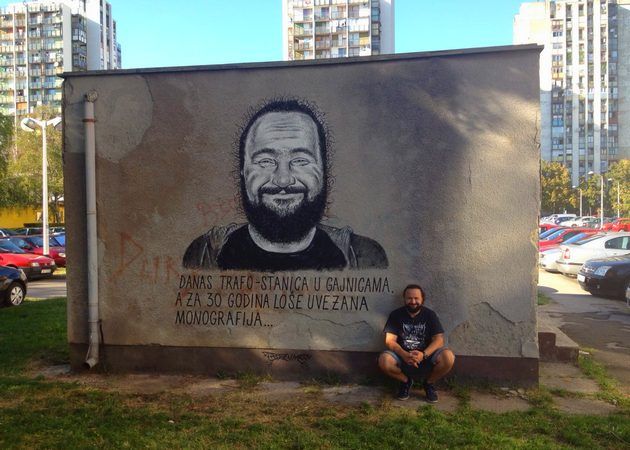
(433,159)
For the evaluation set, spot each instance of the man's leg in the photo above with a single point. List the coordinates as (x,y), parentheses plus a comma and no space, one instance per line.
(444,364)
(389,366)
(442,361)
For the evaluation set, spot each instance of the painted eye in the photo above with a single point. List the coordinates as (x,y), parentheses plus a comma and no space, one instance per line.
(300,162)
(266,162)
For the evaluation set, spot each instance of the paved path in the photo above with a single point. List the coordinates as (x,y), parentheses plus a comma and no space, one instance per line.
(593,322)
(47,287)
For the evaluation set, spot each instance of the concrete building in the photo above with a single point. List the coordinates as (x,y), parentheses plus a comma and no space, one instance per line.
(42,39)
(584,80)
(314,29)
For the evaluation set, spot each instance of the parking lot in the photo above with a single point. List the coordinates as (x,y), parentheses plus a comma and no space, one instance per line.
(597,323)
(47,287)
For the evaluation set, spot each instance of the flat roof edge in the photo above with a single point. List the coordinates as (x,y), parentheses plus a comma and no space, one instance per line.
(318,62)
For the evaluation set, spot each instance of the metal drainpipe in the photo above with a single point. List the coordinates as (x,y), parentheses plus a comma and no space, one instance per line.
(91,358)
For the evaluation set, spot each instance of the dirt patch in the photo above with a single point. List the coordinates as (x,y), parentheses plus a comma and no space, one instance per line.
(588,406)
(497,403)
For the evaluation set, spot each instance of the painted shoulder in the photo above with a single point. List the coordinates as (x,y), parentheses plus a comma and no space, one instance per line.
(203,251)
(361,252)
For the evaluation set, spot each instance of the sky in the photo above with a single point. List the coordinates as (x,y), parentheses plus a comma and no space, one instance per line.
(159,33)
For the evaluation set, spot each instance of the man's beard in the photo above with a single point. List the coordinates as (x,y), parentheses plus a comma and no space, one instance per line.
(413,309)
(287,227)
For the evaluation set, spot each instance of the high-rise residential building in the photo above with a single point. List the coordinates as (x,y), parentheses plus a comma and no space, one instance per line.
(41,39)
(584,80)
(314,29)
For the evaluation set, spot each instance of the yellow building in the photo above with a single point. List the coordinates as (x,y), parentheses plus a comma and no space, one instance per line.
(18,217)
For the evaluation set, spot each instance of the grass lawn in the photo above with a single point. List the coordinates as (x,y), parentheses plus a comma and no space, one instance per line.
(37,413)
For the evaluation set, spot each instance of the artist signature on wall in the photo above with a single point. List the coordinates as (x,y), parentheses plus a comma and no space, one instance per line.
(301,358)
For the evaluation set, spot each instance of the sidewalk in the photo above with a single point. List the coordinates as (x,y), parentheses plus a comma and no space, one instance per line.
(571,391)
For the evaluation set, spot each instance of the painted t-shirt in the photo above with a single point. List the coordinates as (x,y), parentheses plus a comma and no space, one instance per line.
(241,253)
(414,333)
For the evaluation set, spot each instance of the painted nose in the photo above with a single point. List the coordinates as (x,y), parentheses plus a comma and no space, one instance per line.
(283,177)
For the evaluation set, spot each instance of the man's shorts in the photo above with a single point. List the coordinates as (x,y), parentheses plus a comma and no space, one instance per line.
(424,367)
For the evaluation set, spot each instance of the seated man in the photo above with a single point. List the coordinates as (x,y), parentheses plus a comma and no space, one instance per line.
(415,346)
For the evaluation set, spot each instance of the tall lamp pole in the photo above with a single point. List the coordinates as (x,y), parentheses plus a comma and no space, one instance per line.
(618,201)
(580,189)
(30,124)
(601,200)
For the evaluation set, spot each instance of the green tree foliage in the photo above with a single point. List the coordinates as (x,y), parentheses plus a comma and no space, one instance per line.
(6,155)
(591,191)
(22,185)
(556,192)
(619,174)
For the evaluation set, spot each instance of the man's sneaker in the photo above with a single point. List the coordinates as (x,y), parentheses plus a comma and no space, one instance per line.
(431,393)
(403,390)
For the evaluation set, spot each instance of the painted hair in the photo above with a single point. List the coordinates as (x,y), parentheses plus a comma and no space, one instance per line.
(287,105)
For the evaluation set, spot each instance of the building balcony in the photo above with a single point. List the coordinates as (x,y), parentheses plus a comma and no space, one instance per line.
(303,32)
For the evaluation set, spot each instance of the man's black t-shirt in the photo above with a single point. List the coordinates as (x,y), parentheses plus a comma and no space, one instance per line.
(240,252)
(414,333)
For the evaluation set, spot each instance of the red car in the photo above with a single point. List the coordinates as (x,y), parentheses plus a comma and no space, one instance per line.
(546,226)
(560,236)
(35,244)
(622,224)
(33,266)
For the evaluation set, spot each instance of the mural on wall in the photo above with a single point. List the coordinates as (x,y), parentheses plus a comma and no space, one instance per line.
(284,176)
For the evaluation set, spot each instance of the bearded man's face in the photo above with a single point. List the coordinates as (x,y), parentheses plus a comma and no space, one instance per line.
(283,176)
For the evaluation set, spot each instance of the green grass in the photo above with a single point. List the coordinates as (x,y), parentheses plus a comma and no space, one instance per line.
(33,333)
(608,385)
(38,413)
(543,299)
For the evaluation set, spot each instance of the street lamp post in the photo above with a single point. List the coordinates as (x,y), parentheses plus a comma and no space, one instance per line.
(601,201)
(30,124)
(580,189)
(618,201)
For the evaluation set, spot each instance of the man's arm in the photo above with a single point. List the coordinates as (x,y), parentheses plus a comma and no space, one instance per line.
(411,358)
(437,341)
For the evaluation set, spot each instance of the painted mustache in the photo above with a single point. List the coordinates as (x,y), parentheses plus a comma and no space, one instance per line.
(270,190)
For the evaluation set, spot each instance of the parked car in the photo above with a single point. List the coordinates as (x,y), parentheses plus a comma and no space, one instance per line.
(34,266)
(560,237)
(554,217)
(12,286)
(60,237)
(609,223)
(606,276)
(6,232)
(549,232)
(35,244)
(597,246)
(549,256)
(28,230)
(578,221)
(592,223)
(622,224)
(542,227)
(563,219)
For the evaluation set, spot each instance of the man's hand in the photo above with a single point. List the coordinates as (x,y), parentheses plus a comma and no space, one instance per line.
(414,358)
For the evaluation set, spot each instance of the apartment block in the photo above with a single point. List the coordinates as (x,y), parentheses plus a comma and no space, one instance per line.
(584,80)
(41,39)
(315,29)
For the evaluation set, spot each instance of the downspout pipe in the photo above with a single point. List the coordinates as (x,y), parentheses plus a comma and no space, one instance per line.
(92,357)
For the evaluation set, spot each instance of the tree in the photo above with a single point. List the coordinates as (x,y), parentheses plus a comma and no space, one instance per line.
(25,170)
(555,187)
(6,155)
(619,173)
